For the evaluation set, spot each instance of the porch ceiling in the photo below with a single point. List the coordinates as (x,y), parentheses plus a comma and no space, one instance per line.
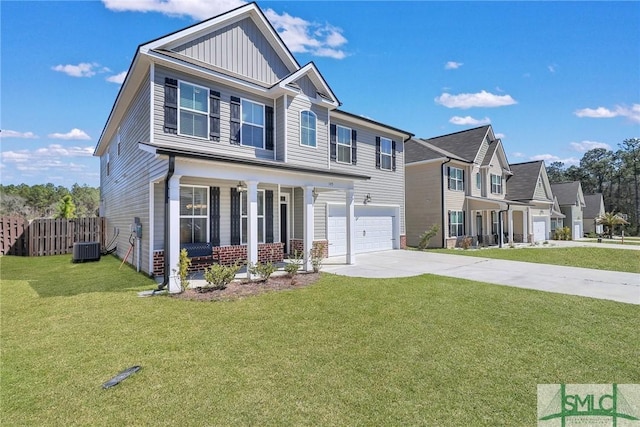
(481,203)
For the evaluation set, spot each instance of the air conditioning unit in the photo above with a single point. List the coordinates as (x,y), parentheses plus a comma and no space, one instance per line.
(86,251)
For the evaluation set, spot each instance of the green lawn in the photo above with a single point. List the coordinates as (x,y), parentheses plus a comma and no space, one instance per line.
(586,257)
(425,350)
(627,241)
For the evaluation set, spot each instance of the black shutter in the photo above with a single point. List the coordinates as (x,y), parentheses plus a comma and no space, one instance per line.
(170,105)
(214,115)
(268,215)
(377,152)
(449,177)
(235,216)
(354,148)
(214,215)
(332,134)
(464,224)
(268,138)
(393,155)
(234,136)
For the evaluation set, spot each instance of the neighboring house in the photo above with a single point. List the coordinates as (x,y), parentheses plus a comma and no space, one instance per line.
(594,207)
(557,217)
(457,182)
(220,139)
(571,202)
(530,184)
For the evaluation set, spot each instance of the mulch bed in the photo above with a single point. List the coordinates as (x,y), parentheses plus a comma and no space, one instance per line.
(245,288)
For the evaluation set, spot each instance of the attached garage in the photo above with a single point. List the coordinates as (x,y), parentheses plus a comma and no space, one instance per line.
(376,229)
(540,233)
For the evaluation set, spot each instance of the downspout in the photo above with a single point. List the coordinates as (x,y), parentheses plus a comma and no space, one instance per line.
(167,229)
(500,233)
(442,201)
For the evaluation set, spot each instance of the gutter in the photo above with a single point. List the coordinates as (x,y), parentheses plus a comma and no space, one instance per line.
(167,230)
(442,198)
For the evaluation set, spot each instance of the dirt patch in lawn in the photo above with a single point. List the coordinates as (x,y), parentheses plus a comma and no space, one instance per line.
(244,288)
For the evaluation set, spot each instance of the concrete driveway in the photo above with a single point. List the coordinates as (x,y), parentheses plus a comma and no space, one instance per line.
(610,285)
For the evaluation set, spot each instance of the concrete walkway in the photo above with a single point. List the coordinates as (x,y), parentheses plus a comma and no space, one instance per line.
(610,285)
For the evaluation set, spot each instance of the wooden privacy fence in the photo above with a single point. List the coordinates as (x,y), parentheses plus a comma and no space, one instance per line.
(48,236)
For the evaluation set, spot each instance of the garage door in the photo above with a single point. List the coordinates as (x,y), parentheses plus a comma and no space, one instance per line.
(539,230)
(373,229)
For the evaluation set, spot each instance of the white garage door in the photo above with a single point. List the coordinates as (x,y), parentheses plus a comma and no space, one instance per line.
(373,229)
(539,230)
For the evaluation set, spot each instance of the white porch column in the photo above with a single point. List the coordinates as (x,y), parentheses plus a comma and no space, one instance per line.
(351,227)
(172,249)
(525,225)
(307,224)
(252,224)
(510,220)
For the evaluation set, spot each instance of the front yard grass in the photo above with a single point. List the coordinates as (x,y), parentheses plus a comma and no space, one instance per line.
(423,350)
(585,257)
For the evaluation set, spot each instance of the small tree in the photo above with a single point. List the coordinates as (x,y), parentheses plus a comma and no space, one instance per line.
(427,236)
(66,208)
(610,220)
(184,262)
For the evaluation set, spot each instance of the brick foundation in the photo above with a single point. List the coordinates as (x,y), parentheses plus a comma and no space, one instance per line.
(226,255)
(298,245)
(403,242)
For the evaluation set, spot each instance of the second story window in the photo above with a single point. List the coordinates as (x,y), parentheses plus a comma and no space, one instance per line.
(496,184)
(252,129)
(478,181)
(386,151)
(456,178)
(343,139)
(194,110)
(308,128)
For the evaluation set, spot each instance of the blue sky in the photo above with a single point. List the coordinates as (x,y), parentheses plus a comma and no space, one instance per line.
(553,78)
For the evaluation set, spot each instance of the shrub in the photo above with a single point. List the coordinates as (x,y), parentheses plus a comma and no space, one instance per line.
(218,276)
(264,270)
(184,262)
(466,242)
(316,255)
(294,264)
(427,236)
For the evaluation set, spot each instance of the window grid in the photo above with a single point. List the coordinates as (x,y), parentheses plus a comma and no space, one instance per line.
(308,128)
(193,106)
(194,214)
(386,153)
(252,124)
(496,184)
(343,140)
(456,180)
(456,223)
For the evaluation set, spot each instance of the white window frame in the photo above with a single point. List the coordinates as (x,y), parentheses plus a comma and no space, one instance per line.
(242,122)
(478,181)
(459,216)
(496,188)
(495,222)
(383,154)
(192,111)
(108,164)
(244,196)
(205,216)
(342,144)
(315,129)
(455,179)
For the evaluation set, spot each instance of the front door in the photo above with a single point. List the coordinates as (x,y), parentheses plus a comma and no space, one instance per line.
(284,224)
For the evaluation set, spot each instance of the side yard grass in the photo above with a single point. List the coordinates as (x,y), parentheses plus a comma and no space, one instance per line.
(586,257)
(423,350)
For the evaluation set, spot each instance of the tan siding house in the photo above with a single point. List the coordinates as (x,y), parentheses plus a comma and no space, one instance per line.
(220,143)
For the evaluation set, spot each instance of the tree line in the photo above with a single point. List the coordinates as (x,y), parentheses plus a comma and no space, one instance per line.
(49,201)
(614,174)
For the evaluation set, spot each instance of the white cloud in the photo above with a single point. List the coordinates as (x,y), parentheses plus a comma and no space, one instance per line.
(83,69)
(518,155)
(470,100)
(550,158)
(453,65)
(117,78)
(468,120)
(72,134)
(6,133)
(632,113)
(54,156)
(501,135)
(585,146)
(300,35)
(552,68)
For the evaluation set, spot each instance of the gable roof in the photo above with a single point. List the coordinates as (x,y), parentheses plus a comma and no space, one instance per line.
(418,150)
(311,71)
(522,185)
(594,205)
(464,144)
(568,193)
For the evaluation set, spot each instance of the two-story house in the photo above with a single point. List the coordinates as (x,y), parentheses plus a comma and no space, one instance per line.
(458,182)
(571,202)
(218,136)
(593,208)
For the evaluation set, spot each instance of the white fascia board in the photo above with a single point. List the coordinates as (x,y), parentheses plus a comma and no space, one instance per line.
(147,148)
(250,10)
(314,75)
(207,74)
(426,162)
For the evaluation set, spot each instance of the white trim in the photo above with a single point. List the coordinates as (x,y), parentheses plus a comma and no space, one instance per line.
(390,155)
(286,133)
(344,145)
(189,110)
(264,124)
(426,162)
(275,131)
(315,130)
(151,214)
(152,92)
(289,217)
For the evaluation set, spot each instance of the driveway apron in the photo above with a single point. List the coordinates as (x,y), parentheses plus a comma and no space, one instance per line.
(609,285)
